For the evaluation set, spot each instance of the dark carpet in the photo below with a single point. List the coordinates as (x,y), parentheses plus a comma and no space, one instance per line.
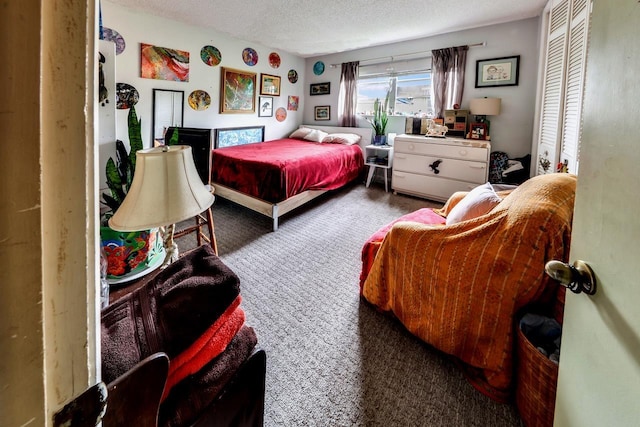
(333,360)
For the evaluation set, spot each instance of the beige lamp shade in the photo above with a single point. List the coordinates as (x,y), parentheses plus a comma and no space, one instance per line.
(166,189)
(485,106)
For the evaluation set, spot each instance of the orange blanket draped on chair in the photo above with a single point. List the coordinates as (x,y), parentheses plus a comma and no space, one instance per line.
(458,287)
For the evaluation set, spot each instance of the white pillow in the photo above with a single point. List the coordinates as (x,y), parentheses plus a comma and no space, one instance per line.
(300,133)
(315,135)
(477,202)
(342,138)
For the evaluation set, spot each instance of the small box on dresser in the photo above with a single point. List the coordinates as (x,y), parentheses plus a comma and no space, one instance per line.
(435,168)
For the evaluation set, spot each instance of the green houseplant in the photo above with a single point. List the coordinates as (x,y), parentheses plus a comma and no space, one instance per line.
(379,120)
(127,252)
(120,172)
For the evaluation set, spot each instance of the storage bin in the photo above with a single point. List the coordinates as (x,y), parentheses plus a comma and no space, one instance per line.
(536,381)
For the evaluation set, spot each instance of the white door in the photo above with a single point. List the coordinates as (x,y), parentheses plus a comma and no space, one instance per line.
(599,376)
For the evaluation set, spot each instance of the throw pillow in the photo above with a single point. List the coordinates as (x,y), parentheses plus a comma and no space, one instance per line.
(300,133)
(477,202)
(315,136)
(342,138)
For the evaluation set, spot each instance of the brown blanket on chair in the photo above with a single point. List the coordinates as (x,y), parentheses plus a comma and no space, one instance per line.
(459,287)
(169,313)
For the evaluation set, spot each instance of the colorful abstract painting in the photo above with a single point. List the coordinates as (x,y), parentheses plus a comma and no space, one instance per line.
(162,63)
(292,105)
(238,91)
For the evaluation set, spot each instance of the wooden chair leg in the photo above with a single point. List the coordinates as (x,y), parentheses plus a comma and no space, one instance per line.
(212,231)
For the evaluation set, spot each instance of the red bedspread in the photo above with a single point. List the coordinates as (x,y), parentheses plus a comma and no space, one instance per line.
(276,170)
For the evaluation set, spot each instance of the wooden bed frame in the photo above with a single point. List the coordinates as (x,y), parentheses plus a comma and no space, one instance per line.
(276,210)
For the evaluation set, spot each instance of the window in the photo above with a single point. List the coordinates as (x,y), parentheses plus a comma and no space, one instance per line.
(408,84)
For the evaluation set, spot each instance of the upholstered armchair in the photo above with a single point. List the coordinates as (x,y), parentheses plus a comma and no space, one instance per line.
(458,285)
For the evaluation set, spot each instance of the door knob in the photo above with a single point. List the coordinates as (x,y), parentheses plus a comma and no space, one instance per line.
(578,277)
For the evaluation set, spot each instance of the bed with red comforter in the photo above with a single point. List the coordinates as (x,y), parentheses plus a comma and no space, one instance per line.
(274,177)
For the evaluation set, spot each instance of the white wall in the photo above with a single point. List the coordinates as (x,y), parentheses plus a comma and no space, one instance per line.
(138,28)
(511,131)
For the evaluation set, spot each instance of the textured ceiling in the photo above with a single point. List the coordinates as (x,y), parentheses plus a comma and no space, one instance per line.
(318,27)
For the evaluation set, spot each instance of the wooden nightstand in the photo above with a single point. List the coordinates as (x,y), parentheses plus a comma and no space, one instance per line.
(378,157)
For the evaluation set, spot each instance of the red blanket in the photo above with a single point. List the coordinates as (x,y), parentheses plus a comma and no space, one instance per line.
(276,170)
(206,348)
(371,246)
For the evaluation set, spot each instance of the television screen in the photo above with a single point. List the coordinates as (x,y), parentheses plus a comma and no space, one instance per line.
(200,142)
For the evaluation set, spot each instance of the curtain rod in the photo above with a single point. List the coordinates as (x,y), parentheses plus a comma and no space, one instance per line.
(394,57)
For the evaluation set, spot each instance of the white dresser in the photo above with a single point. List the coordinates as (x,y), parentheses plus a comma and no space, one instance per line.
(435,168)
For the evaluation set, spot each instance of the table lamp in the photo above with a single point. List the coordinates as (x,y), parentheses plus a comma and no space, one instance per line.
(166,189)
(483,107)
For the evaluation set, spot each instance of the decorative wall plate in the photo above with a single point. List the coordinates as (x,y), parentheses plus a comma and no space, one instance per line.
(115,37)
(274,60)
(293,76)
(281,114)
(199,100)
(210,55)
(250,56)
(318,68)
(126,96)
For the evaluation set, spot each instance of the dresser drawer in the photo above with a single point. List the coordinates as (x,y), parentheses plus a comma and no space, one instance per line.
(457,151)
(448,168)
(430,187)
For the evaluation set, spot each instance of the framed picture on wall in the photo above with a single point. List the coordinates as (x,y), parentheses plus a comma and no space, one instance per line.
(265,106)
(320,88)
(237,91)
(498,71)
(230,137)
(478,131)
(269,85)
(322,112)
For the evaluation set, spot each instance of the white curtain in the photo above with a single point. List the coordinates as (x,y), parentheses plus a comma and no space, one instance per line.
(448,77)
(348,94)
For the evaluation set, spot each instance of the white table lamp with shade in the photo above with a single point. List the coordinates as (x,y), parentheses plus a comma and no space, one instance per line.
(165,190)
(483,107)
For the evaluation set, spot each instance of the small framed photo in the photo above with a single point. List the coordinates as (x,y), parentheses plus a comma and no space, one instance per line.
(269,85)
(320,88)
(478,131)
(265,106)
(498,71)
(323,112)
(293,103)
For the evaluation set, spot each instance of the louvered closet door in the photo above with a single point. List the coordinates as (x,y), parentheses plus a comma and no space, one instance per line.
(563,85)
(576,60)
(553,87)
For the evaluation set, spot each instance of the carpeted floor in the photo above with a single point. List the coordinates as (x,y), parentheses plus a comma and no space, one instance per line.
(333,360)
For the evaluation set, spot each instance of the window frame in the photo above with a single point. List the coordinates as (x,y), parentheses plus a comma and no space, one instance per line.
(395,75)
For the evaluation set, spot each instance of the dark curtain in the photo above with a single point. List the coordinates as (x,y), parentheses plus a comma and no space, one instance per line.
(448,67)
(348,94)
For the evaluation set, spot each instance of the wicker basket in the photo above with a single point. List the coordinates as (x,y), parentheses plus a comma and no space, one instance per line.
(536,380)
